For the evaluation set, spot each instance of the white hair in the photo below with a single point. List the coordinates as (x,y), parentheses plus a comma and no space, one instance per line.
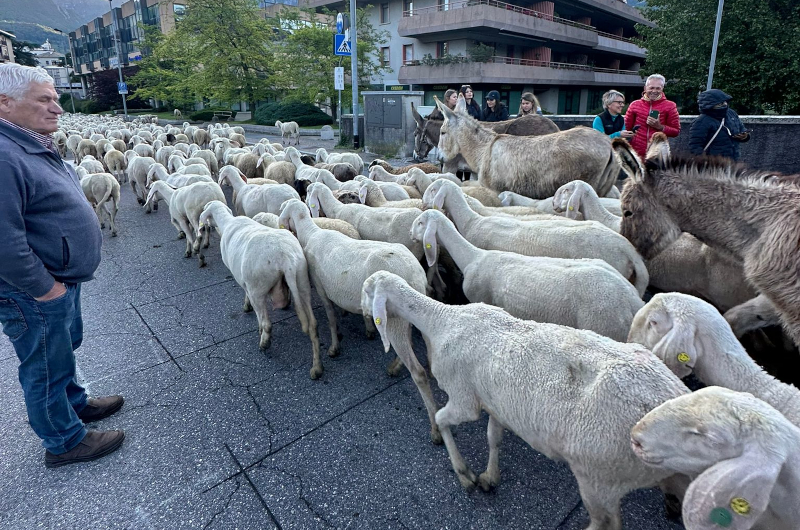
(656,76)
(610,96)
(15,79)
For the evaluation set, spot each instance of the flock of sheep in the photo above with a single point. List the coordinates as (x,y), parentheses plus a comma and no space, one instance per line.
(531,309)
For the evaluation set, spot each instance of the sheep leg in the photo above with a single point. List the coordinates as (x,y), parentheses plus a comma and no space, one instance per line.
(98,211)
(181,233)
(113,214)
(197,246)
(370,327)
(455,412)
(259,301)
(187,229)
(300,288)
(491,477)
(330,312)
(400,336)
(601,501)
(246,307)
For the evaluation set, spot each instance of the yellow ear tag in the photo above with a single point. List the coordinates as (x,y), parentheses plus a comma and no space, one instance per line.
(427,245)
(200,225)
(435,207)
(571,208)
(683,357)
(740,506)
(283,226)
(313,205)
(378,321)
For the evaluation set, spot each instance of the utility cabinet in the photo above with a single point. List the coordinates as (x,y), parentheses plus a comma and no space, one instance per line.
(389,124)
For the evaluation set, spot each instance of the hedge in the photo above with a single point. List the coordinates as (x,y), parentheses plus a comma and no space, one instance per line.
(305,114)
(207,114)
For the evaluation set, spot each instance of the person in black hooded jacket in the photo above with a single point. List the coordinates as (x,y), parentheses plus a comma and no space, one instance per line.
(718,129)
(493,108)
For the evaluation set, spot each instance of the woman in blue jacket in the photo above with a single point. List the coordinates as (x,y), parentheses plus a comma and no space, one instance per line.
(611,122)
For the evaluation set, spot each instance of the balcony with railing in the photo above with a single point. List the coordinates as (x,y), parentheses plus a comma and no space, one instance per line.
(504,70)
(454,19)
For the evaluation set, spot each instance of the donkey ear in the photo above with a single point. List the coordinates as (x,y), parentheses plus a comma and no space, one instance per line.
(429,242)
(677,348)
(461,104)
(658,151)
(379,317)
(417,118)
(631,164)
(448,114)
(733,493)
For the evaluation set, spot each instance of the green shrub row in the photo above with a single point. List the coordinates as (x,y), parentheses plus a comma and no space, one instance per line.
(305,114)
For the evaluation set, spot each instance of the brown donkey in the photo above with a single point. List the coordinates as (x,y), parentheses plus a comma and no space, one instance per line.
(727,206)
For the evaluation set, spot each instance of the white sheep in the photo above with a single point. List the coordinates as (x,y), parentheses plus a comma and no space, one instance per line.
(116,164)
(535,288)
(268,264)
(690,336)
(271,220)
(421,180)
(138,167)
(560,238)
(578,200)
(339,265)
(185,206)
(289,129)
(176,180)
(252,199)
(371,194)
(744,454)
(571,394)
(100,189)
(391,225)
(351,158)
(91,164)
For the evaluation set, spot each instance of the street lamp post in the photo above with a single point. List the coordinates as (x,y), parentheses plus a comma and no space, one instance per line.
(119,56)
(69,80)
(714,45)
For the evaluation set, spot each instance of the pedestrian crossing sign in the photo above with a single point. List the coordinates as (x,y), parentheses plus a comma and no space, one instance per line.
(340,45)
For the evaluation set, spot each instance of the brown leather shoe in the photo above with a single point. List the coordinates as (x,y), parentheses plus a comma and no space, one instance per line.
(98,408)
(94,445)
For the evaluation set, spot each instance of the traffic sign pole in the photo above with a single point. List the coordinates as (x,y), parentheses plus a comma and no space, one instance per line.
(354,72)
(119,63)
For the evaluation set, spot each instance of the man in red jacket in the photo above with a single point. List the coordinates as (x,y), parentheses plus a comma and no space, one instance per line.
(651,114)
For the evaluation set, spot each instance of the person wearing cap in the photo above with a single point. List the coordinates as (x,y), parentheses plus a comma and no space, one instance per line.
(493,108)
(718,129)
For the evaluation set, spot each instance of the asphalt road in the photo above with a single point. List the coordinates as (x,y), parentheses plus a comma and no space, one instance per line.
(221,435)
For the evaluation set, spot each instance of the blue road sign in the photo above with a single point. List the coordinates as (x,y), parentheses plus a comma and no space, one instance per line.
(341,46)
(122,88)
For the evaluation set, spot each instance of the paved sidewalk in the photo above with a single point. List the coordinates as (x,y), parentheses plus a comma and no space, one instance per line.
(220,435)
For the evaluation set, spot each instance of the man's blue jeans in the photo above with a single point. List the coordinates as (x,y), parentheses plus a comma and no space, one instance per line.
(44,335)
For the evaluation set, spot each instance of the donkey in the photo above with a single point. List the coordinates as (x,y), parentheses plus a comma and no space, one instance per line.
(426,134)
(534,166)
(731,208)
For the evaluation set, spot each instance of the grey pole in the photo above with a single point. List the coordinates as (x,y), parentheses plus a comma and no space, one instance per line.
(714,46)
(354,72)
(72,54)
(119,56)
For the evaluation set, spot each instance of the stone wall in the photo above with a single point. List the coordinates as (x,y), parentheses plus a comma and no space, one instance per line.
(774,143)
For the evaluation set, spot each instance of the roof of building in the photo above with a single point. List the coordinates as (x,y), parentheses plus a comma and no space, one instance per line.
(8,34)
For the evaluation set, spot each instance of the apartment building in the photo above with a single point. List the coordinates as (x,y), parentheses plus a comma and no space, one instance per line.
(6,49)
(567,52)
(92,44)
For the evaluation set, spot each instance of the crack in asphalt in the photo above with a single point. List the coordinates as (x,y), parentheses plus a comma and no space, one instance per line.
(317,515)
(225,507)
(155,337)
(244,473)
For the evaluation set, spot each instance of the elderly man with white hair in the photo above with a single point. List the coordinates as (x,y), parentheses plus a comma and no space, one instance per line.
(51,245)
(652,113)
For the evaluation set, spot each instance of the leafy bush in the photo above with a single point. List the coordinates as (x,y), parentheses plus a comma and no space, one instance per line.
(480,53)
(207,114)
(88,106)
(305,114)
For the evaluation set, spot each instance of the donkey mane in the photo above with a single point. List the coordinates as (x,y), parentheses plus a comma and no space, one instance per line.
(718,168)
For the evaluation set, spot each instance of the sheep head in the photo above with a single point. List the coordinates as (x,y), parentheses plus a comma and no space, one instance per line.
(424,230)
(312,199)
(728,439)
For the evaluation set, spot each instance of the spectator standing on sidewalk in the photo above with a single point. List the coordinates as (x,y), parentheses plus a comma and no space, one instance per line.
(51,245)
(652,113)
(450,99)
(493,108)
(718,129)
(528,104)
(611,122)
(473,108)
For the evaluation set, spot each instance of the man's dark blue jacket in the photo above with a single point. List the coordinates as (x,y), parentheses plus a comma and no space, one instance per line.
(49,229)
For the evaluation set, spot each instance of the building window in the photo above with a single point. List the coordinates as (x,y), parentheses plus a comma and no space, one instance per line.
(384,13)
(408,53)
(408,7)
(441,49)
(444,5)
(385,56)
(179,11)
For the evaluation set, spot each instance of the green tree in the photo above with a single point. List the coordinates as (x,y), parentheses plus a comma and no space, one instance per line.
(302,51)
(21,55)
(164,69)
(758,56)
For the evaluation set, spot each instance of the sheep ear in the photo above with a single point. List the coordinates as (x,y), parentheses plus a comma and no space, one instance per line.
(362,194)
(429,242)
(438,199)
(573,204)
(313,203)
(733,493)
(258,164)
(677,348)
(379,318)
